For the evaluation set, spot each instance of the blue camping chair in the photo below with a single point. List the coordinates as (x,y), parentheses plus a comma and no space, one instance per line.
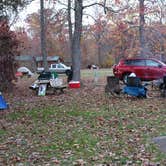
(135,88)
(3,104)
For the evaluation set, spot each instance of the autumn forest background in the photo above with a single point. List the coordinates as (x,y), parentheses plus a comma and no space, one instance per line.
(83,32)
(82,126)
(110,36)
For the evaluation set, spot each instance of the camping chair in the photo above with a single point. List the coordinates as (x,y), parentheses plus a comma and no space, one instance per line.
(135,88)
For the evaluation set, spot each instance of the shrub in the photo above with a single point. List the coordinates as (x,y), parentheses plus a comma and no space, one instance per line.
(8,49)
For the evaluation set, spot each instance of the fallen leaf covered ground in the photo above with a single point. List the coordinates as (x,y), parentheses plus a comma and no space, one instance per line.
(81,127)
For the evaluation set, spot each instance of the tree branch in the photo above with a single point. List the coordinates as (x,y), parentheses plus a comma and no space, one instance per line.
(106,8)
(99,4)
(66,5)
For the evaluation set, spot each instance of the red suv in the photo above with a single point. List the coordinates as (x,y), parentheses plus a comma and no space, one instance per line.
(147,69)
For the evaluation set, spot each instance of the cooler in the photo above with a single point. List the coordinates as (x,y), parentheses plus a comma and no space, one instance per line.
(74,84)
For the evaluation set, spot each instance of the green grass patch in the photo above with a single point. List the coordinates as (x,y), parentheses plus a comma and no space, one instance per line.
(15,116)
(84,113)
(117,134)
(100,73)
(3,132)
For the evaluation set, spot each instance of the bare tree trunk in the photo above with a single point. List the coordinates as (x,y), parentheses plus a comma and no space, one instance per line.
(43,39)
(162,57)
(100,60)
(141,27)
(98,38)
(70,26)
(76,50)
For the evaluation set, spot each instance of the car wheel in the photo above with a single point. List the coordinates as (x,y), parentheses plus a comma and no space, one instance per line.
(68,72)
(125,77)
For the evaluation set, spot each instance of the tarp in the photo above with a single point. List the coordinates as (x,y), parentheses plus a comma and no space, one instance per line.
(135,91)
(3,104)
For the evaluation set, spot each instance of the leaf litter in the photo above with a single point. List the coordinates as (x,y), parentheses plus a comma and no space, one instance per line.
(81,127)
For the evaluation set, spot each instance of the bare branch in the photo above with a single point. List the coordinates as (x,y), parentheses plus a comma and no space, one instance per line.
(85,14)
(106,8)
(99,4)
(66,5)
(62,3)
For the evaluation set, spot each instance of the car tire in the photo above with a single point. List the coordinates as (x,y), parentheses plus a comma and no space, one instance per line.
(125,77)
(68,72)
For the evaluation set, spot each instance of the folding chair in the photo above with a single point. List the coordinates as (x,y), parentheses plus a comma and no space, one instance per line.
(135,88)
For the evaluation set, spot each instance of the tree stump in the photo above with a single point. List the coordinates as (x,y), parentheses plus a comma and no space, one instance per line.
(112,87)
(163,87)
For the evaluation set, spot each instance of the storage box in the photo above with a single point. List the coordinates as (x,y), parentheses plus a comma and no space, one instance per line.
(74,84)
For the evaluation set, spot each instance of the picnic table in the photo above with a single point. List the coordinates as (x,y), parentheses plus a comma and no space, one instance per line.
(48,85)
(47,82)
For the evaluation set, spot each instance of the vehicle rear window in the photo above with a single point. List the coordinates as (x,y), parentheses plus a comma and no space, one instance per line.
(135,62)
(60,66)
(152,63)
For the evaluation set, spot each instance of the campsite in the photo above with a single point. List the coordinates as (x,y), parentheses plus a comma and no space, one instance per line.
(82,83)
(82,126)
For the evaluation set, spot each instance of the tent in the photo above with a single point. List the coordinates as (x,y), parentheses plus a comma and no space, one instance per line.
(24,70)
